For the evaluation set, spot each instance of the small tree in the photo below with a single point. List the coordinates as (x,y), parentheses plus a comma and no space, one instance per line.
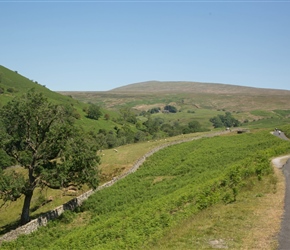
(11,90)
(194,126)
(128,115)
(154,110)
(170,108)
(42,139)
(94,112)
(226,120)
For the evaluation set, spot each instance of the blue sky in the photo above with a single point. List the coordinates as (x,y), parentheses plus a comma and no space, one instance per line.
(101,45)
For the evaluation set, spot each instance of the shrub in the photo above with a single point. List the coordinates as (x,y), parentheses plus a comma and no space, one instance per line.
(94,112)
(11,90)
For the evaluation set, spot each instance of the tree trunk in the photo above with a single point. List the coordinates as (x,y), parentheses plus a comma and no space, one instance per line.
(25,215)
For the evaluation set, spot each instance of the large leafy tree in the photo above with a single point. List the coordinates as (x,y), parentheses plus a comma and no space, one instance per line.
(43,140)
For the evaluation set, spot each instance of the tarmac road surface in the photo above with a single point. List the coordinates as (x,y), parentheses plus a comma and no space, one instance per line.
(284,235)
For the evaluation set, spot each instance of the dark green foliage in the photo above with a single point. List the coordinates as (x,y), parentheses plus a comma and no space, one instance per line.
(217,122)
(140,136)
(5,160)
(170,109)
(226,120)
(11,90)
(125,134)
(42,138)
(94,112)
(111,140)
(194,126)
(154,110)
(167,128)
(153,124)
(11,185)
(128,115)
(143,113)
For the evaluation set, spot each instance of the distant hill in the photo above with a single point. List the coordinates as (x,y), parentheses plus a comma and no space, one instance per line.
(145,95)
(195,87)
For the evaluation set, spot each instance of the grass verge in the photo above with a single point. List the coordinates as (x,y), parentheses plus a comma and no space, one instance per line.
(252,222)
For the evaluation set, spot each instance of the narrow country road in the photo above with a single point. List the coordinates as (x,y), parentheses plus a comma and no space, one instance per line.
(284,235)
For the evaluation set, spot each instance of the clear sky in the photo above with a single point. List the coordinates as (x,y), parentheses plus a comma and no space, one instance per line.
(101,45)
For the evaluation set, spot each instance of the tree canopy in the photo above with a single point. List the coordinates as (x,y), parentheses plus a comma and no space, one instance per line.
(42,139)
(226,120)
(170,108)
(94,112)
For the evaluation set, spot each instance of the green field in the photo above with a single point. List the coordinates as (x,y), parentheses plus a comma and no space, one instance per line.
(173,186)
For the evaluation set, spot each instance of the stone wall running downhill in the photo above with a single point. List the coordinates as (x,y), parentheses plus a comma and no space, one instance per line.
(72,204)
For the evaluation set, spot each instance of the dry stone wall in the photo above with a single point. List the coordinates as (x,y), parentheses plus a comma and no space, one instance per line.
(72,204)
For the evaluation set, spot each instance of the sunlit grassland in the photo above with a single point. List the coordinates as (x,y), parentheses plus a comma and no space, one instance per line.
(112,164)
(184,117)
(252,222)
(174,187)
(95,125)
(270,123)
(283,113)
(43,201)
(264,113)
(126,155)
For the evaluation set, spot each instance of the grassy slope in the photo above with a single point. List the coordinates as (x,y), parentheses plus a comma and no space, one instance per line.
(252,220)
(21,84)
(148,208)
(112,165)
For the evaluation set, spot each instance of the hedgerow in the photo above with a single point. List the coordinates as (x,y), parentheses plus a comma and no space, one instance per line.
(172,185)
